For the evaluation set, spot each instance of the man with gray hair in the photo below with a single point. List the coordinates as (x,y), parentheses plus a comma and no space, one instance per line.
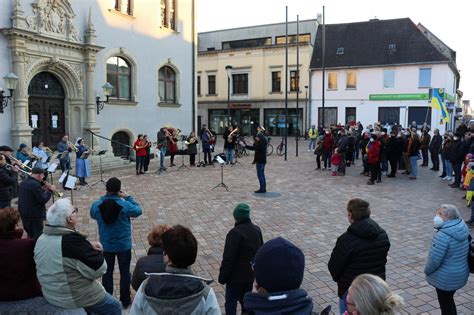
(435,149)
(68,265)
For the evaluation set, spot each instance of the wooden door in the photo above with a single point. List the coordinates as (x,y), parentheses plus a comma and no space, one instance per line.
(47,119)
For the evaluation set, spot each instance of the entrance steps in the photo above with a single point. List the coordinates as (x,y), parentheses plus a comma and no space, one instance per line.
(109,162)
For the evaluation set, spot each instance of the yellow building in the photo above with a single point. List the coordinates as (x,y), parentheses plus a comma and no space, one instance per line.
(257,77)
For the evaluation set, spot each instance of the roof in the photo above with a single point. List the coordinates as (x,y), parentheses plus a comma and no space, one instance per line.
(366,44)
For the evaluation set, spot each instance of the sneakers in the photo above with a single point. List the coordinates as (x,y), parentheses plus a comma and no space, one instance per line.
(323,168)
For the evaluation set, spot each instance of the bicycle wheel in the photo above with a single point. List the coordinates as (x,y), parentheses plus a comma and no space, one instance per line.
(269,149)
(238,151)
(281,149)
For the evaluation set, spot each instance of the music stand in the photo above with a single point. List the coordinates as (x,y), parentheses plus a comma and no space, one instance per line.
(101,180)
(182,156)
(51,169)
(221,184)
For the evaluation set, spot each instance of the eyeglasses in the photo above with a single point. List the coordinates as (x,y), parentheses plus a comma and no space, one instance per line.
(76,210)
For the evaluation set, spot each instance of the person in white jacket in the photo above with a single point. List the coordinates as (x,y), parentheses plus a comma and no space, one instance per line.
(178,290)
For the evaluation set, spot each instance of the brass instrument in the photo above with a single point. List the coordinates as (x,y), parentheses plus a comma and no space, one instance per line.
(47,150)
(72,146)
(170,136)
(191,141)
(229,137)
(19,163)
(211,136)
(56,193)
(33,156)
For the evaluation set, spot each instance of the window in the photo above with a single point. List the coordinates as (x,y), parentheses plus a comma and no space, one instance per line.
(245,43)
(304,38)
(211,48)
(351,80)
(276,81)
(211,84)
(330,116)
(240,83)
(124,6)
(340,51)
(167,85)
(168,14)
(425,77)
(332,80)
(199,85)
(350,115)
(389,115)
(119,75)
(389,79)
(294,80)
(392,47)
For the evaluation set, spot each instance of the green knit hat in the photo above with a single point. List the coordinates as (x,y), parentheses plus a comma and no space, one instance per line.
(241,212)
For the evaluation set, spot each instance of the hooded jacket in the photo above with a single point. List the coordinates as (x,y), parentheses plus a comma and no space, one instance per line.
(174,293)
(363,248)
(153,262)
(447,268)
(293,302)
(113,217)
(32,200)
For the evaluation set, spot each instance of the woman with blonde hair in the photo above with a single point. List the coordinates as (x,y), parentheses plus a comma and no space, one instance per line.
(370,295)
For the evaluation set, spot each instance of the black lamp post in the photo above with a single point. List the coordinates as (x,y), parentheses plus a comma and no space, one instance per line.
(228,69)
(108,88)
(306,109)
(11,80)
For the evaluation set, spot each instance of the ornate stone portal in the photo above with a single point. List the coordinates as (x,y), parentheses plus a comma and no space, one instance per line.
(48,41)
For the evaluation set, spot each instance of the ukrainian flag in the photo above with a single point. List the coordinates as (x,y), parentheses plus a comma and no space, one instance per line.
(437,102)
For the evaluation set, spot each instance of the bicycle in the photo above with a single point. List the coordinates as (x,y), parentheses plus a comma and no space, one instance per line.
(240,150)
(281,147)
(269,147)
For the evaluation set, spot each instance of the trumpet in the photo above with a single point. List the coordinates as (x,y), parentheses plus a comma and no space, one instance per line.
(190,140)
(56,193)
(20,164)
(72,146)
(47,150)
(229,137)
(33,156)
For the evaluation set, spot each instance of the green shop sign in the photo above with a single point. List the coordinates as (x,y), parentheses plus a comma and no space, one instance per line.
(400,97)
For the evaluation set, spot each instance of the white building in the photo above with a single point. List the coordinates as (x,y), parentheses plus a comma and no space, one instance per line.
(64,51)
(381,71)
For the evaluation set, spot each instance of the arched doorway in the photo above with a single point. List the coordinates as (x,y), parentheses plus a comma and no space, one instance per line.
(46,109)
(121,150)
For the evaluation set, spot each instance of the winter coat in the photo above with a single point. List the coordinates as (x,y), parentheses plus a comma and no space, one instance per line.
(260,148)
(313,133)
(227,144)
(153,262)
(241,245)
(293,302)
(68,268)
(425,141)
(192,148)
(435,144)
(373,154)
(394,148)
(447,268)
(206,141)
(336,159)
(363,248)
(139,149)
(342,144)
(176,292)
(162,140)
(446,150)
(113,218)
(413,147)
(18,277)
(328,143)
(7,180)
(456,152)
(32,200)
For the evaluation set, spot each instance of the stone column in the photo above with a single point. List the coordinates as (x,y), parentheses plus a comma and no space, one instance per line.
(91,107)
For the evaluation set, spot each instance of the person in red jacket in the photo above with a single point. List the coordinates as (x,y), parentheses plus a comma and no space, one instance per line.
(18,272)
(336,162)
(373,159)
(328,144)
(140,152)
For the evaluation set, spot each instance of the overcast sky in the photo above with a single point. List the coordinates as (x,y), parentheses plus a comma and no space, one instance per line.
(449,20)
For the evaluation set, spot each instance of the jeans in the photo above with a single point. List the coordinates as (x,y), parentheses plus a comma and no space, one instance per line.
(414,165)
(449,168)
(234,292)
(123,259)
(327,159)
(139,163)
(384,164)
(162,157)
(109,305)
(312,144)
(261,176)
(228,155)
(446,302)
(65,165)
(4,204)
(207,156)
(343,304)
(444,162)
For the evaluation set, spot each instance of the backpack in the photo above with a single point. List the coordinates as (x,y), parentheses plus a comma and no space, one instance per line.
(470,254)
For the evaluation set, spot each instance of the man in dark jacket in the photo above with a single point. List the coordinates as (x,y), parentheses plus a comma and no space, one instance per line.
(229,143)
(7,180)
(457,154)
(342,144)
(260,159)
(31,202)
(241,244)
(425,145)
(394,152)
(363,248)
(7,152)
(435,149)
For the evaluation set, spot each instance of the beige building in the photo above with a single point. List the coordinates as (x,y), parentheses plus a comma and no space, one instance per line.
(257,78)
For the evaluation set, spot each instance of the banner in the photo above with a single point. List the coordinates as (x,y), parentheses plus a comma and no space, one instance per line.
(438,102)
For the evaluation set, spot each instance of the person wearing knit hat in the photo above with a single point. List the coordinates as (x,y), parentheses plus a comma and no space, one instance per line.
(113,212)
(241,244)
(22,153)
(279,270)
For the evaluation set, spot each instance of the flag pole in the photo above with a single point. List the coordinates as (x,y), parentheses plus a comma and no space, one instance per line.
(286,85)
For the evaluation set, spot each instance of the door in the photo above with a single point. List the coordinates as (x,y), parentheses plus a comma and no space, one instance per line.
(47,120)
(420,115)
(121,150)
(390,115)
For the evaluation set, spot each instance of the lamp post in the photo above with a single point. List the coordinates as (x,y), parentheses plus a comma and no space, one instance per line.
(306,109)
(107,88)
(228,69)
(11,80)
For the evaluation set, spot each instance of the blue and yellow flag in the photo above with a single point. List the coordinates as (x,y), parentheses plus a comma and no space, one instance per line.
(437,102)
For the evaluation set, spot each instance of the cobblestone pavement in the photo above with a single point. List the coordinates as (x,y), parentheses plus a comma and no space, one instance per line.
(309,210)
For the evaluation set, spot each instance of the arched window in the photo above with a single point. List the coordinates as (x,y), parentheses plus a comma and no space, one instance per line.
(167,85)
(119,75)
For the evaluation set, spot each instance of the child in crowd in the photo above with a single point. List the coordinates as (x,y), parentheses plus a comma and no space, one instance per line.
(336,161)
(466,168)
(468,183)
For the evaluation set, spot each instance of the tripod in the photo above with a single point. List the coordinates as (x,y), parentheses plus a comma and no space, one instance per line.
(101,180)
(236,159)
(200,163)
(182,158)
(222,178)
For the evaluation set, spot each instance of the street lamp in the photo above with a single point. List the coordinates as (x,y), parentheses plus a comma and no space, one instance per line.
(11,80)
(228,69)
(107,88)
(306,109)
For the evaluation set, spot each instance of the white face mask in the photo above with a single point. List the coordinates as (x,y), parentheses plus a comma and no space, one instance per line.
(383,133)
(437,220)
(371,140)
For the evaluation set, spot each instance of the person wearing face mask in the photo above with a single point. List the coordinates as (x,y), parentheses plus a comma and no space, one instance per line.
(328,143)
(363,248)
(394,152)
(373,160)
(446,268)
(445,154)
(457,154)
(363,149)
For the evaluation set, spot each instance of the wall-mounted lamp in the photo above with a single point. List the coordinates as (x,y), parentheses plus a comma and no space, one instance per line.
(107,88)
(11,80)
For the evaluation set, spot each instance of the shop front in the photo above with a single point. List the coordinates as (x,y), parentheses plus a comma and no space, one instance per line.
(275,121)
(246,119)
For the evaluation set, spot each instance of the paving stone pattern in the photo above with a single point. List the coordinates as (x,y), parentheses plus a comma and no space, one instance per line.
(309,210)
